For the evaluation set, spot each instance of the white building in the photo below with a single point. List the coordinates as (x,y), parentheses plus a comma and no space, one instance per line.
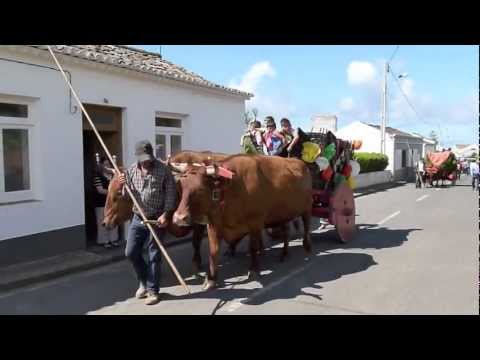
(47,149)
(465,151)
(324,121)
(429,145)
(403,149)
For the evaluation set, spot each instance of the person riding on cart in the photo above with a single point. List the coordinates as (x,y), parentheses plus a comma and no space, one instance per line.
(273,139)
(294,137)
(252,140)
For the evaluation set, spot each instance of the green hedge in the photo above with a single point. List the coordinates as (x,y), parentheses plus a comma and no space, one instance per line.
(370,162)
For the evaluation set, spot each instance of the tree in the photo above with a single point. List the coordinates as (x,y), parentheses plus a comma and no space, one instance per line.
(255,113)
(246,117)
(250,115)
(433,135)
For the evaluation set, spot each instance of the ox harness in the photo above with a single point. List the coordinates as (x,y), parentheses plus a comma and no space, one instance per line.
(218,192)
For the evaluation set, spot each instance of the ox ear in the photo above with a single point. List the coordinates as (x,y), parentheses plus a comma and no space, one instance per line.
(224,172)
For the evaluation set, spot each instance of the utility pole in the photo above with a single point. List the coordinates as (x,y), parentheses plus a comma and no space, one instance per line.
(384,112)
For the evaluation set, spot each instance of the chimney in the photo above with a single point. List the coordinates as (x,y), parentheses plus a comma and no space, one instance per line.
(328,122)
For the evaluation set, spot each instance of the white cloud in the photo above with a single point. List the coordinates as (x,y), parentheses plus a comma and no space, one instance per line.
(252,78)
(450,119)
(267,99)
(275,105)
(361,73)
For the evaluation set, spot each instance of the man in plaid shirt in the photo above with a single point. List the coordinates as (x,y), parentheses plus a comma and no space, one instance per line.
(153,186)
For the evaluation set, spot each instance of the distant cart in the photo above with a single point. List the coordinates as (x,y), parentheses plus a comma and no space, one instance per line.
(440,166)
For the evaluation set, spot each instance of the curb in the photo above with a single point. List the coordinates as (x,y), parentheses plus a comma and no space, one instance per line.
(102,260)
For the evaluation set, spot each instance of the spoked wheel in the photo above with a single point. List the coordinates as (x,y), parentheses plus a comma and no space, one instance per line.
(342,212)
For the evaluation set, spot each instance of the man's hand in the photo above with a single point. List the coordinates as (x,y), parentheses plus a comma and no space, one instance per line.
(163,220)
(122,179)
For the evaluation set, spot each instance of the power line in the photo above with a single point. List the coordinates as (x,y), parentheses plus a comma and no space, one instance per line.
(405,95)
(410,103)
(394,52)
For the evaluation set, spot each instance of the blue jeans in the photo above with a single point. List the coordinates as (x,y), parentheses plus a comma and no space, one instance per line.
(148,273)
(475,181)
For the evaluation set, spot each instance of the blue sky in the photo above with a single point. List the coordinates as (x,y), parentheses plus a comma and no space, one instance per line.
(300,81)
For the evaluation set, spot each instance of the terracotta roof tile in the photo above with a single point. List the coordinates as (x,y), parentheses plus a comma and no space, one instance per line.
(139,60)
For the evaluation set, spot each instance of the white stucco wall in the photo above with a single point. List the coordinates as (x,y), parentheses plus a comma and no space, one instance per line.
(370,138)
(373,178)
(214,122)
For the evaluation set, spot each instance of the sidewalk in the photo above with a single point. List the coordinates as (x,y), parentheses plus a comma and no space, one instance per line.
(50,268)
(46,269)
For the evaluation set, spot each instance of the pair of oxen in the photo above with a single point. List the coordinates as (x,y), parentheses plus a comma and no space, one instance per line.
(232,196)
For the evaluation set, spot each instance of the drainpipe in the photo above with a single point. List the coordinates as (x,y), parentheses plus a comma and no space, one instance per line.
(73,109)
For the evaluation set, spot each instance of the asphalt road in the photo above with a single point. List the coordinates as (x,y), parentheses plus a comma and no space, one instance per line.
(416,252)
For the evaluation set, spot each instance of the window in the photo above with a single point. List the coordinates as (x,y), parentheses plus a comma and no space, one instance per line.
(13,110)
(168,137)
(161,146)
(15,153)
(404,158)
(166,122)
(15,160)
(175,144)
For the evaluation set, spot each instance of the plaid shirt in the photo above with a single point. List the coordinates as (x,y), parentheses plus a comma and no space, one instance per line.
(156,192)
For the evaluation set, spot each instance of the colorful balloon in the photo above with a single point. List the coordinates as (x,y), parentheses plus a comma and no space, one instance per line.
(351,182)
(327,174)
(355,167)
(347,170)
(322,163)
(356,144)
(339,179)
(329,151)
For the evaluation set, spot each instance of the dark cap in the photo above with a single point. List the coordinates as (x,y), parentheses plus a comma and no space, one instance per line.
(144,151)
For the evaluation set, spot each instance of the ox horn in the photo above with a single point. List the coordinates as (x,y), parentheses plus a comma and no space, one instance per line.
(179,167)
(182,167)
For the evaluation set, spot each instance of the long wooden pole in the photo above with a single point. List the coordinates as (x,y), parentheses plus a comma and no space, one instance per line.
(129,191)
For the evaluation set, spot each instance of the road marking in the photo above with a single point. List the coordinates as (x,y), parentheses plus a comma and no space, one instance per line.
(240,302)
(422,197)
(388,218)
(437,189)
(234,306)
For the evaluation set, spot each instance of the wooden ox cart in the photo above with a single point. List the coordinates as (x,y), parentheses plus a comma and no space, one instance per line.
(440,166)
(333,198)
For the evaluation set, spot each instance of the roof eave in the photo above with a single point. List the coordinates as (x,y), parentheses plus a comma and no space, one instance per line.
(222,89)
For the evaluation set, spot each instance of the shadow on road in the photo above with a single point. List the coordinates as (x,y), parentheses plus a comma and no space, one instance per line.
(281,282)
(73,295)
(379,188)
(369,236)
(296,276)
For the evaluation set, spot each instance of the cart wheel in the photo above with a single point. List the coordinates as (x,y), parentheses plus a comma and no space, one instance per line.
(342,212)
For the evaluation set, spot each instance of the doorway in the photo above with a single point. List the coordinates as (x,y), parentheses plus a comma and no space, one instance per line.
(108,121)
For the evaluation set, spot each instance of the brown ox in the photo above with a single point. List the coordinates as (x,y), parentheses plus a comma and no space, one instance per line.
(242,195)
(118,208)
